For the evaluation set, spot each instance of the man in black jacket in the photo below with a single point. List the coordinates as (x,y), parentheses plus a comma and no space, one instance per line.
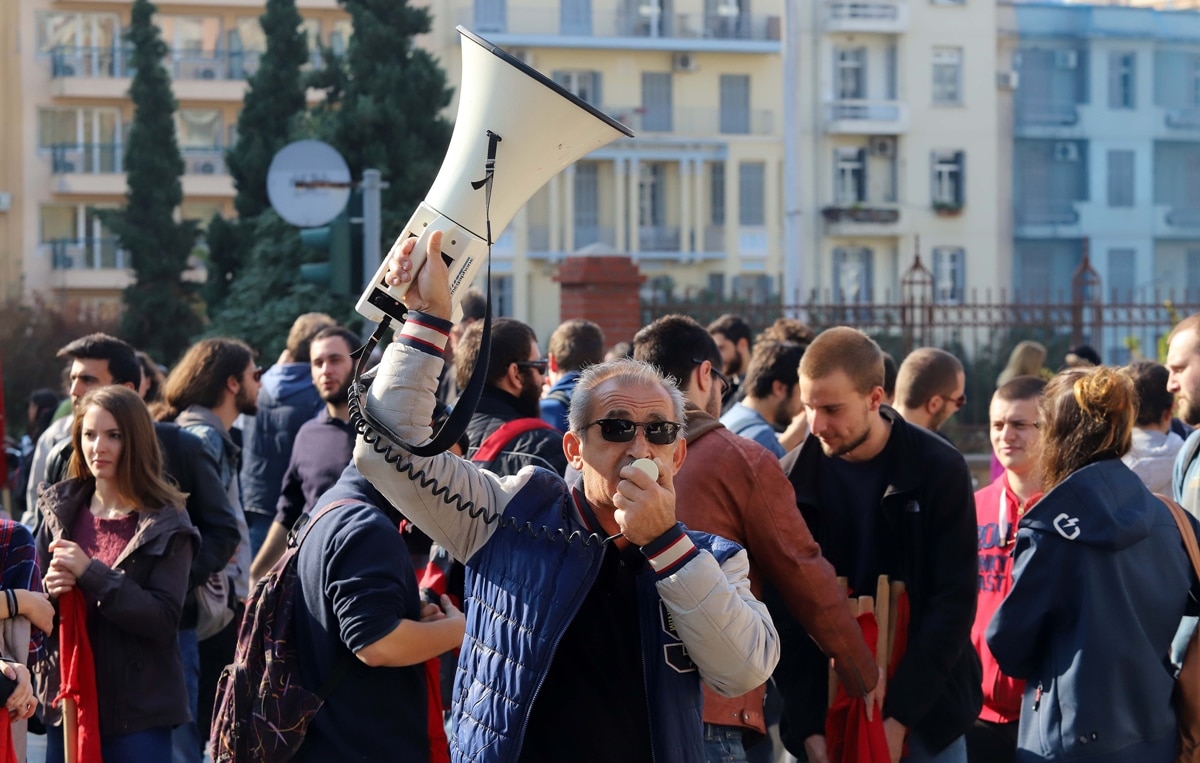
(515,377)
(883,497)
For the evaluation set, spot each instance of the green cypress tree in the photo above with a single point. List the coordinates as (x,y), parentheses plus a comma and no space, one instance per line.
(267,295)
(160,307)
(273,102)
(383,103)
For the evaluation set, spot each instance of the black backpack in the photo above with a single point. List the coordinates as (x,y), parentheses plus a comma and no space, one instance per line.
(263,709)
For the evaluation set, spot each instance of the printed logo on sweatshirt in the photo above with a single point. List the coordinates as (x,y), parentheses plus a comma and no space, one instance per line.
(995,560)
(1068,527)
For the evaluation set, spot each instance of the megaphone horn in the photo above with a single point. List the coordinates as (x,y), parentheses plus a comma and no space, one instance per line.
(521,129)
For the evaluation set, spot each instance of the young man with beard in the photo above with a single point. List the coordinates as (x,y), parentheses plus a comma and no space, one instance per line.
(515,376)
(1183,365)
(214,382)
(732,335)
(885,497)
(772,400)
(323,445)
(998,509)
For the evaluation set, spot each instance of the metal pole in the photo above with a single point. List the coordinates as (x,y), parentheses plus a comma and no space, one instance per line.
(793,136)
(372,188)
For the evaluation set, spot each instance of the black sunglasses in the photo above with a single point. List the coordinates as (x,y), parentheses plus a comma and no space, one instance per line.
(540,365)
(258,372)
(726,384)
(623,430)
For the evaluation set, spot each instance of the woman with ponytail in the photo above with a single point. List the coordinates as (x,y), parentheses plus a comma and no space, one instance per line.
(116,548)
(1100,582)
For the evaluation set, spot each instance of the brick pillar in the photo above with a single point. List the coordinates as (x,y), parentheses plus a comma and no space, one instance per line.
(602,289)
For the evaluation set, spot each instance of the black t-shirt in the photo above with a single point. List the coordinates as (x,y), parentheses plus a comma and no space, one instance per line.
(592,706)
(851,492)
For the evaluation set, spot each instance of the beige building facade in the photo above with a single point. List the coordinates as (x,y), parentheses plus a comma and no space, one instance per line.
(898,145)
(695,197)
(70,114)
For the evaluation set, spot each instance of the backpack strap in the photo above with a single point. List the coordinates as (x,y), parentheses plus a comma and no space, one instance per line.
(1185,529)
(347,660)
(495,443)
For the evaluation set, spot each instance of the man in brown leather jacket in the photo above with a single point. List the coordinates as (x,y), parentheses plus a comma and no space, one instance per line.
(735,488)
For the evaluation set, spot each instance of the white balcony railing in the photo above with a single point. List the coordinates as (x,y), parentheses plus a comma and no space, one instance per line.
(888,16)
(863,117)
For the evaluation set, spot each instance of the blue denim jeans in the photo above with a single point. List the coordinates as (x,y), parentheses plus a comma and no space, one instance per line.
(723,744)
(917,753)
(149,746)
(259,525)
(186,743)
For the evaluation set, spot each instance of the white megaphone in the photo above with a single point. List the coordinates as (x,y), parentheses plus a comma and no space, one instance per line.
(531,127)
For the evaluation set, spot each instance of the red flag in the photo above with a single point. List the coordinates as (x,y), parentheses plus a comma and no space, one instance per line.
(78,676)
(849,736)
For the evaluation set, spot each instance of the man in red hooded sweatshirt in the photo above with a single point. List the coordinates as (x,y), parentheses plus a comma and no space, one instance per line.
(999,507)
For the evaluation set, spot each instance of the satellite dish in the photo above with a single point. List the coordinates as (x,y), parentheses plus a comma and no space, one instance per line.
(308,183)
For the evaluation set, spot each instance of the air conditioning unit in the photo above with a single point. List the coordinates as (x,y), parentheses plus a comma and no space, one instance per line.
(1065,59)
(1066,151)
(206,73)
(203,167)
(524,55)
(1008,80)
(66,70)
(883,146)
(684,62)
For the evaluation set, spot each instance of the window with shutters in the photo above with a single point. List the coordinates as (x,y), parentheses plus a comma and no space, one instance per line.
(1122,275)
(852,273)
(948,179)
(851,65)
(751,189)
(585,84)
(656,102)
(1122,80)
(850,175)
(949,274)
(1120,178)
(947,76)
(735,104)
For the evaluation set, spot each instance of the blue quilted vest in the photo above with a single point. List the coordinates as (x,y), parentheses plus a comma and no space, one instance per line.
(523,592)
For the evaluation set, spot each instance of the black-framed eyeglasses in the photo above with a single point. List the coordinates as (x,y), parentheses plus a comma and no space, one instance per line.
(726,383)
(624,430)
(539,365)
(959,402)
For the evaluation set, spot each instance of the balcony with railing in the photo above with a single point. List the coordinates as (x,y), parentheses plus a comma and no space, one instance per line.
(862,219)
(1047,213)
(1183,119)
(106,72)
(695,122)
(864,117)
(1178,221)
(658,238)
(86,254)
(1046,113)
(881,16)
(547,26)
(97,169)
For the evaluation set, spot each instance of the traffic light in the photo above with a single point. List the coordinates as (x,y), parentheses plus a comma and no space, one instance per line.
(341,242)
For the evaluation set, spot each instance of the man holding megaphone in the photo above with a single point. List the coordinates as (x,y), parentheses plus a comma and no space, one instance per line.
(592,614)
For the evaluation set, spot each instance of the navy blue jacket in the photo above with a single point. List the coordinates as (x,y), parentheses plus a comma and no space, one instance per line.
(286,400)
(1100,582)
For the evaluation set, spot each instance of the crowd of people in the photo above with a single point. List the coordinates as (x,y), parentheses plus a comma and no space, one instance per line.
(650,552)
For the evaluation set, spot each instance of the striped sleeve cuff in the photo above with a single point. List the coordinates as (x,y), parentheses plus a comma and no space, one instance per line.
(425,332)
(670,551)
